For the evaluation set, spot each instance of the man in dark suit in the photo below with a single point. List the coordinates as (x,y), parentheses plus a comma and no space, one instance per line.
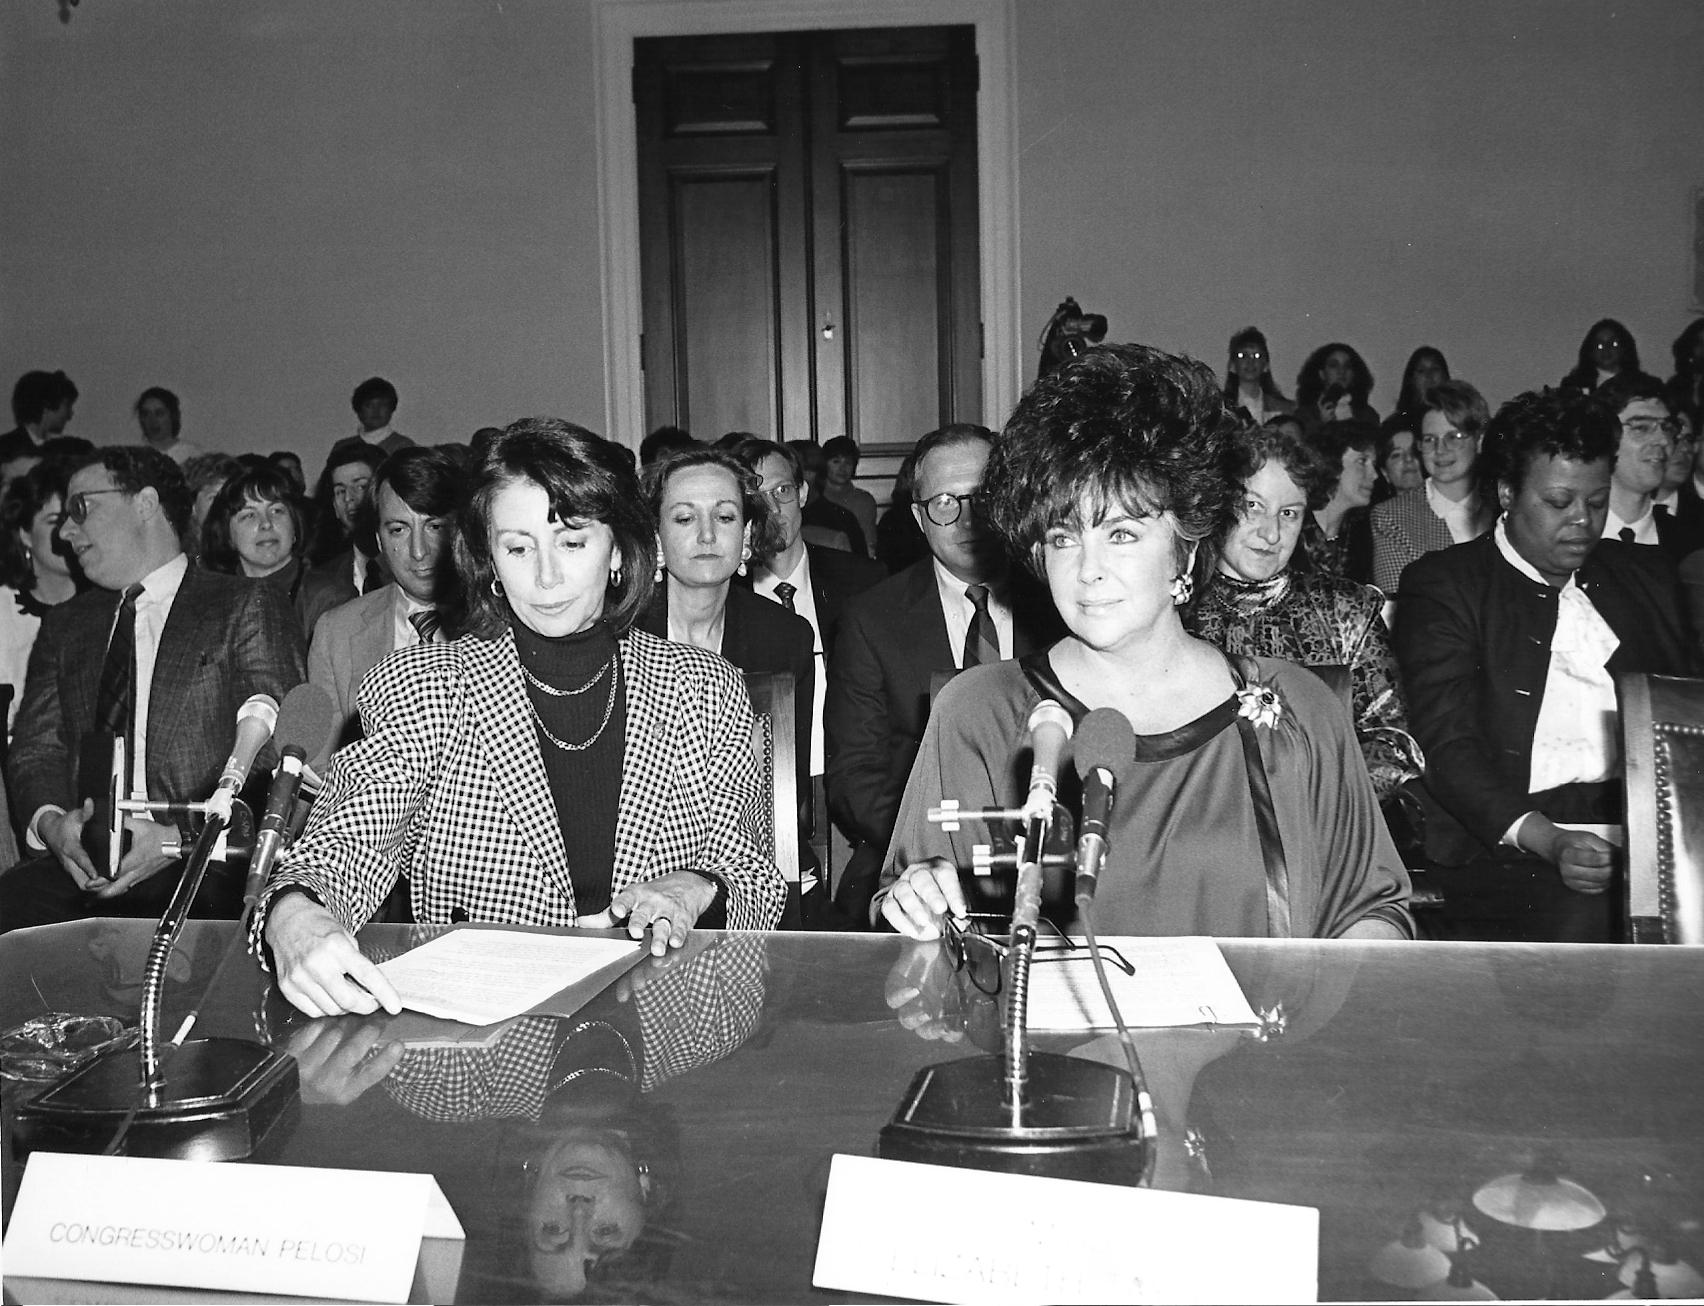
(1648,434)
(1509,646)
(202,643)
(960,606)
(345,488)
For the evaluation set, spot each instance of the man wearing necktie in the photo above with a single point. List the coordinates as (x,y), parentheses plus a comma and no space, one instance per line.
(1509,648)
(162,653)
(412,510)
(1648,434)
(961,606)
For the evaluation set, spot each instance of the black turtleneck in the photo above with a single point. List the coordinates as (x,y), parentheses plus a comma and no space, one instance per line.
(585,784)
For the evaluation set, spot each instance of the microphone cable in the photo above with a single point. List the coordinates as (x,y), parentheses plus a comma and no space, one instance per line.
(1144,1103)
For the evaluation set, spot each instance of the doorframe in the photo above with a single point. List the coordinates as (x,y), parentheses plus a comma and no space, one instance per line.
(618,23)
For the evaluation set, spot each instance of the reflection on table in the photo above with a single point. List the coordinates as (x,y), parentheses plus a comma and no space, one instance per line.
(672,1138)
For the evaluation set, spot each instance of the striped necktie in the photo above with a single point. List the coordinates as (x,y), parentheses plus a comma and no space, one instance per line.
(115,700)
(981,643)
(426,623)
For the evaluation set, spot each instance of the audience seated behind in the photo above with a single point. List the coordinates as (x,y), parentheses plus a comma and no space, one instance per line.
(1448,508)
(1333,386)
(203,644)
(1337,538)
(256,527)
(1648,433)
(1249,386)
(374,403)
(501,778)
(42,406)
(411,513)
(1250,599)
(1685,387)
(820,581)
(709,514)
(1607,350)
(36,570)
(1244,806)
(840,468)
(1398,456)
(1508,647)
(346,561)
(826,522)
(899,540)
(896,635)
(1425,368)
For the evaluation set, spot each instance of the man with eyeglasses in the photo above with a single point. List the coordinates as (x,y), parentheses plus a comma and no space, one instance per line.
(811,580)
(958,607)
(161,653)
(1648,432)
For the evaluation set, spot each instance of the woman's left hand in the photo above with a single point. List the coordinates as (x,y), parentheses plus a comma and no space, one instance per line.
(669,906)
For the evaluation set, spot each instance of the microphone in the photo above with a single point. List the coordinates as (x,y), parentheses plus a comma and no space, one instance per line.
(255,720)
(1105,741)
(1049,729)
(305,723)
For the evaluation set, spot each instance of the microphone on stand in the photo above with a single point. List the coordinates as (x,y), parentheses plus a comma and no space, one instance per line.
(256,719)
(1105,742)
(1049,730)
(305,723)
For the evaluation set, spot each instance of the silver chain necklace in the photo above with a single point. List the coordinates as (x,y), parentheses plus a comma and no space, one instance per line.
(554,692)
(565,745)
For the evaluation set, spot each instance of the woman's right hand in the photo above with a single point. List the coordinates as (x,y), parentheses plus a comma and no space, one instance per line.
(320,967)
(924,894)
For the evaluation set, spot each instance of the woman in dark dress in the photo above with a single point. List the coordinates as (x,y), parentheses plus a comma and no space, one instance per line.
(1252,601)
(1245,808)
(1607,351)
(711,517)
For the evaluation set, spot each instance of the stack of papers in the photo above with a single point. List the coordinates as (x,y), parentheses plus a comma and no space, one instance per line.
(482,976)
(1178,982)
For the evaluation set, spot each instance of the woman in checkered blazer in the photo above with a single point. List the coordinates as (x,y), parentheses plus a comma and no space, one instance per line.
(553,766)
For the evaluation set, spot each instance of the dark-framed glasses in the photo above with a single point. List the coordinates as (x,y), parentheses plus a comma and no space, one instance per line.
(1444,439)
(975,947)
(77,506)
(786,492)
(945,509)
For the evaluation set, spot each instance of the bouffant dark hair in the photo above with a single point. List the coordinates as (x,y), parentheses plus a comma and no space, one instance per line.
(1121,426)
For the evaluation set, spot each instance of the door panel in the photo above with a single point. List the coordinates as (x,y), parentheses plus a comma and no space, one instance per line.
(848,301)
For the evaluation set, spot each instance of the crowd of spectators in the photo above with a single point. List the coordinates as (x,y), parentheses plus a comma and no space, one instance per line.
(1467,575)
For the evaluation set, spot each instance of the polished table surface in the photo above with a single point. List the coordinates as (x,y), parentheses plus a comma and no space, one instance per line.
(1405,1076)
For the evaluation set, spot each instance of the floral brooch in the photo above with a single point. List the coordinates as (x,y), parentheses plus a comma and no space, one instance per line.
(1260,704)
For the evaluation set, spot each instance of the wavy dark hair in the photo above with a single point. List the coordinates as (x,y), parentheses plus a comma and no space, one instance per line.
(23,500)
(586,479)
(754,507)
(1309,387)
(1584,375)
(1123,426)
(1306,462)
(1248,336)
(265,484)
(1408,399)
(1544,423)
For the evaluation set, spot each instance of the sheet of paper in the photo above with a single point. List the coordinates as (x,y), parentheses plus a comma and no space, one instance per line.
(481,976)
(1177,982)
(1022,1238)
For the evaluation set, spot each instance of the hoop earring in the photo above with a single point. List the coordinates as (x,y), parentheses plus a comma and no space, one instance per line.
(496,588)
(1182,589)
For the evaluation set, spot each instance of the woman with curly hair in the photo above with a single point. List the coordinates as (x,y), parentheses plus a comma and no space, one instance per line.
(1333,386)
(1244,807)
(1251,601)
(256,527)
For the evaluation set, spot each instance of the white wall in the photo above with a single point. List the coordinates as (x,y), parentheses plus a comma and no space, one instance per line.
(259,204)
(1486,177)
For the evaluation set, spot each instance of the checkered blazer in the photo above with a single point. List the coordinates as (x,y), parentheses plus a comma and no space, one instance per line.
(1406,528)
(448,788)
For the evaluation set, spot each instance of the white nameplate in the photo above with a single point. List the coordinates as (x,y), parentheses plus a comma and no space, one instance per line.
(290,1230)
(992,1237)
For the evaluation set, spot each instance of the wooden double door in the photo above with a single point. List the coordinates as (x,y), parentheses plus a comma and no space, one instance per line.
(808,232)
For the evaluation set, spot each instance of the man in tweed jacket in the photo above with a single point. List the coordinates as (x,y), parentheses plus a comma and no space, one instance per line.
(211,641)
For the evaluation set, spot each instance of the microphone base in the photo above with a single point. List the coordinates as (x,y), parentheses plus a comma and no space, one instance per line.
(221,1100)
(1079,1120)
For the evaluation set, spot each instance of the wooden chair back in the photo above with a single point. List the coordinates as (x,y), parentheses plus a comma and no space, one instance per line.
(1662,732)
